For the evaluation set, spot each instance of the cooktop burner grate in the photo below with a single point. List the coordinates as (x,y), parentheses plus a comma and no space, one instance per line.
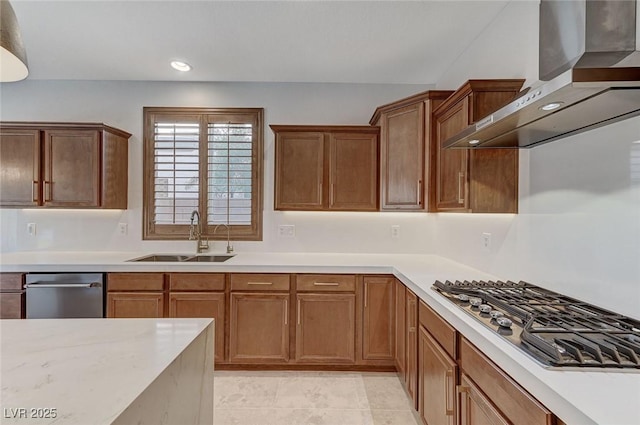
(554,329)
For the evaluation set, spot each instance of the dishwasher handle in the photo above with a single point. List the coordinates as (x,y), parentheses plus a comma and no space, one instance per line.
(63,285)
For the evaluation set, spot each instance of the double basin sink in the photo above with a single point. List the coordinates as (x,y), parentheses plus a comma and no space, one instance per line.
(180,258)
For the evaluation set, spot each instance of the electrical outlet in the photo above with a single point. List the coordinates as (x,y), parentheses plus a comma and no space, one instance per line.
(486,241)
(122,228)
(395,231)
(287,231)
(31,229)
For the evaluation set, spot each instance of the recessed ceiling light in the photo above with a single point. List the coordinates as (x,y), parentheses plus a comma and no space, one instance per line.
(551,106)
(180,66)
(473,142)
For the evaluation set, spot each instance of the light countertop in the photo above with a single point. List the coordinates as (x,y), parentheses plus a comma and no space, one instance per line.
(88,370)
(576,396)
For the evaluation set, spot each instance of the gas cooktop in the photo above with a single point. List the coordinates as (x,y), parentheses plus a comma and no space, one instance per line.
(556,330)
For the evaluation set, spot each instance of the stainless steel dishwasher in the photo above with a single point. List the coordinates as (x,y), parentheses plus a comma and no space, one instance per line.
(64,295)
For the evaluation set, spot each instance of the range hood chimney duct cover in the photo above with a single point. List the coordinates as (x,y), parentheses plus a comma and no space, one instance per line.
(589,58)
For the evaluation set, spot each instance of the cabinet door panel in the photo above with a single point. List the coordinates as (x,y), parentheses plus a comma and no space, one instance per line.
(12,305)
(259,329)
(201,304)
(437,383)
(19,168)
(325,328)
(135,305)
(475,408)
(299,171)
(378,319)
(71,168)
(411,375)
(401,332)
(451,181)
(402,158)
(353,172)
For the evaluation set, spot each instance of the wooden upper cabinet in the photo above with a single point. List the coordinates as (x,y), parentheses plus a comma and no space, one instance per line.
(353,176)
(19,167)
(482,180)
(299,171)
(71,168)
(405,134)
(321,168)
(63,165)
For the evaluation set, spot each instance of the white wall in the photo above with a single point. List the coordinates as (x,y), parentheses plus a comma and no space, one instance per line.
(578,227)
(120,104)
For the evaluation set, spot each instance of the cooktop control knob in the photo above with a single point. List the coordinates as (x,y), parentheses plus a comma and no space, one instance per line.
(475,302)
(463,297)
(485,308)
(495,314)
(504,322)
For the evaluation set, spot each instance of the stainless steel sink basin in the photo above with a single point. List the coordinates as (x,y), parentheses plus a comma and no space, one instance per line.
(183,258)
(163,257)
(210,258)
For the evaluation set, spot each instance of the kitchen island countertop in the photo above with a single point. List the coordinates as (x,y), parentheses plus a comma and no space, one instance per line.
(576,396)
(106,371)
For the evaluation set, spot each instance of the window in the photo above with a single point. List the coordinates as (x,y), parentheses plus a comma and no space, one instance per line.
(202,159)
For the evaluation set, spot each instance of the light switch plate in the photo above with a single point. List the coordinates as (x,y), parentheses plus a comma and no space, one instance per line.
(31,229)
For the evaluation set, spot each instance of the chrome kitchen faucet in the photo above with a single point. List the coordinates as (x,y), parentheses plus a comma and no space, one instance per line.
(196,233)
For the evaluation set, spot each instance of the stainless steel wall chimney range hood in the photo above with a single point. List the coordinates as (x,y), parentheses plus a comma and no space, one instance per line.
(590,61)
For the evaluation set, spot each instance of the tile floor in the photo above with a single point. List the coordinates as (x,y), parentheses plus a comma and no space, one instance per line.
(310,398)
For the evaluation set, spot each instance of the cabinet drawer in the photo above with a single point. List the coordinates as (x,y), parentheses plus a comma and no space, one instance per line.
(135,282)
(326,282)
(11,282)
(196,282)
(443,332)
(512,400)
(259,282)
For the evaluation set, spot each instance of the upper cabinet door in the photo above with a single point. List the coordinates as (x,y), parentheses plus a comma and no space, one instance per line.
(299,171)
(451,179)
(71,168)
(19,168)
(353,177)
(402,158)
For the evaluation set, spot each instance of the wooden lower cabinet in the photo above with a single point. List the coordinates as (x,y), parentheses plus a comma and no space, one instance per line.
(12,296)
(378,323)
(400,331)
(135,295)
(438,375)
(475,408)
(411,340)
(135,304)
(325,328)
(259,328)
(205,305)
(487,386)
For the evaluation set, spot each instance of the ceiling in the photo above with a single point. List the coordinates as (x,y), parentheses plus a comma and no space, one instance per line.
(411,42)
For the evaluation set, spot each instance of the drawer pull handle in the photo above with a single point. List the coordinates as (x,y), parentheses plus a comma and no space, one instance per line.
(298,310)
(326,284)
(448,390)
(419,192)
(460,187)
(47,190)
(34,189)
(286,311)
(259,283)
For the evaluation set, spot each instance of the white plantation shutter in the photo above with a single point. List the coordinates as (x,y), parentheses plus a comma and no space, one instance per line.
(230,156)
(204,159)
(176,172)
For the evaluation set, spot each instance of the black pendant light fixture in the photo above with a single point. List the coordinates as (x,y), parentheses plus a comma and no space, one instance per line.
(13,58)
